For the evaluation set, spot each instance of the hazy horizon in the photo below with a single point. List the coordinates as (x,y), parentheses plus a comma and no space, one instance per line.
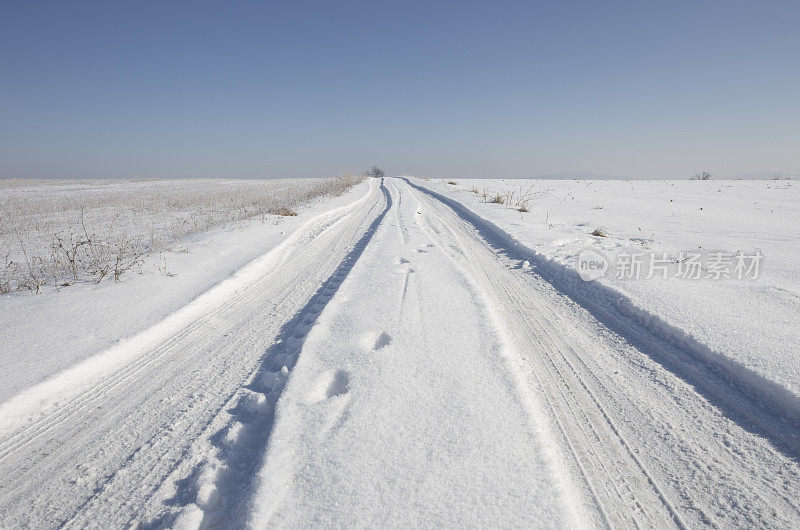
(564,175)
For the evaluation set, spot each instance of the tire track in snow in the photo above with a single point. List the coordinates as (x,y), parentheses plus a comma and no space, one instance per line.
(37,408)
(438,229)
(174,436)
(755,403)
(668,431)
(222,483)
(430,431)
(446,235)
(103,456)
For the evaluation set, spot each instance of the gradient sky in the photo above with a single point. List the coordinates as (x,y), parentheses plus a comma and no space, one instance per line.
(472,89)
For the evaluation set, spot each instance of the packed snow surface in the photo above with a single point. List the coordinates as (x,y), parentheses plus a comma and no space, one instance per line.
(204,241)
(403,408)
(755,323)
(409,354)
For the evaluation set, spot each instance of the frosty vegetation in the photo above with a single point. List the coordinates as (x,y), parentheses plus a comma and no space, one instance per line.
(59,232)
(702,175)
(519,197)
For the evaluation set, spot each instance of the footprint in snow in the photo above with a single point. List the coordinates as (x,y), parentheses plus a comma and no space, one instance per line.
(329,385)
(383,340)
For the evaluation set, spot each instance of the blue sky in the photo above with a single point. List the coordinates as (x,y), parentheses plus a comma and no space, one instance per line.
(471,89)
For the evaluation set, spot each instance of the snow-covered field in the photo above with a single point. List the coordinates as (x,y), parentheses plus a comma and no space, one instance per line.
(750,319)
(196,234)
(409,354)
(55,233)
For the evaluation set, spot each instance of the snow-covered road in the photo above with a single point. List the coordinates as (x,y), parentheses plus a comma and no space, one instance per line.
(394,364)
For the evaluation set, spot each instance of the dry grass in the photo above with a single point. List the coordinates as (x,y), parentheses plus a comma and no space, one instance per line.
(519,197)
(285,212)
(59,232)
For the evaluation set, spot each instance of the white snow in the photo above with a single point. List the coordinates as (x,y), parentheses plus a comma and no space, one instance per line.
(409,355)
(754,324)
(47,333)
(402,410)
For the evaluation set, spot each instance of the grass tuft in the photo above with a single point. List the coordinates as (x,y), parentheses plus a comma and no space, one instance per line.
(63,232)
(283,211)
